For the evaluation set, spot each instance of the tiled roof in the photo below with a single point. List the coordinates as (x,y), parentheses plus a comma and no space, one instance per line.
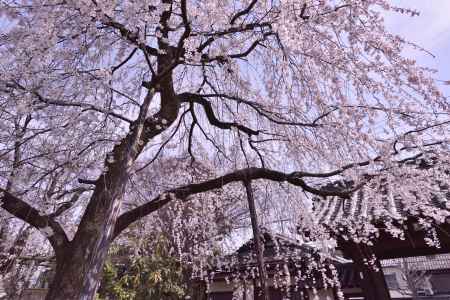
(278,247)
(282,256)
(274,244)
(421,263)
(336,210)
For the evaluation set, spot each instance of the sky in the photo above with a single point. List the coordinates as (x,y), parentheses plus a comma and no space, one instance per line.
(430,30)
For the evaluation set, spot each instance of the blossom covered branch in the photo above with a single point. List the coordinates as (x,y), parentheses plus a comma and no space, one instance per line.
(183,192)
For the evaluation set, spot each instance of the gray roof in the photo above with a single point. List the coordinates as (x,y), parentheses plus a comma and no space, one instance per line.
(421,263)
(387,205)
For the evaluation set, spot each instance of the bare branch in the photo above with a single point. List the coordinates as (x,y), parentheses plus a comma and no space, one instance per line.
(221,59)
(217,34)
(115,68)
(187,97)
(85,106)
(262,111)
(131,37)
(45,224)
(184,192)
(243,12)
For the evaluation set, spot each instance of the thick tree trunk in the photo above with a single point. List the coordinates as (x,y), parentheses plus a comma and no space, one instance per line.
(79,271)
(77,277)
(68,279)
(79,266)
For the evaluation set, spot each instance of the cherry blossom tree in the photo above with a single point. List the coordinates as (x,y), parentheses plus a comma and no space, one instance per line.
(95,95)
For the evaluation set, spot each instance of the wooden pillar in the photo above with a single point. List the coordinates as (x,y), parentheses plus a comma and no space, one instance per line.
(257,243)
(369,271)
(335,293)
(305,295)
(199,290)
